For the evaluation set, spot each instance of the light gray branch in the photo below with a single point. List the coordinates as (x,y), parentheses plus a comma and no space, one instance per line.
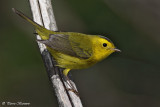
(43,14)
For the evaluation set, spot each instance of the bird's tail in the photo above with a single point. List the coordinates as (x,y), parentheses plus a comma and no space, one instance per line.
(43,32)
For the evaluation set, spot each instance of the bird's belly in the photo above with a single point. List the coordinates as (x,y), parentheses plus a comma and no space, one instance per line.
(75,63)
(67,61)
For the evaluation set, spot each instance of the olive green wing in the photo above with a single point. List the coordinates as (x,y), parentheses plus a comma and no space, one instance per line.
(81,44)
(73,45)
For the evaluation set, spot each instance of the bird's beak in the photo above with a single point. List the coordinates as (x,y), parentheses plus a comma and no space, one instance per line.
(117,50)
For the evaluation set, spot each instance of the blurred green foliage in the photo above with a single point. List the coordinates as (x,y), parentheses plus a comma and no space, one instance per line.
(127,79)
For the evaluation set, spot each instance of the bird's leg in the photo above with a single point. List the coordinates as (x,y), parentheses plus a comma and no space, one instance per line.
(72,88)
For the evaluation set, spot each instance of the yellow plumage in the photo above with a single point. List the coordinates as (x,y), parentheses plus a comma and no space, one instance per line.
(73,50)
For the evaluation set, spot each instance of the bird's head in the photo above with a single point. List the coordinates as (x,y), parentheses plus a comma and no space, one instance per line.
(104,47)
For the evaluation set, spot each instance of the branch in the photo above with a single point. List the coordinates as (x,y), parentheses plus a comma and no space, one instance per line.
(43,14)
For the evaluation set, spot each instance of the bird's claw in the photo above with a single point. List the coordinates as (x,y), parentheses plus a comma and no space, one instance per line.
(76,92)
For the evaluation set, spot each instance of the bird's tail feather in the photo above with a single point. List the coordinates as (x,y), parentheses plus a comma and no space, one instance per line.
(43,32)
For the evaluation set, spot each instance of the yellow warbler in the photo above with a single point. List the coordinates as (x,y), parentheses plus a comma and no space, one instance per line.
(73,50)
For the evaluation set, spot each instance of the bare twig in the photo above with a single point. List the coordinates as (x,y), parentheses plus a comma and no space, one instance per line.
(43,14)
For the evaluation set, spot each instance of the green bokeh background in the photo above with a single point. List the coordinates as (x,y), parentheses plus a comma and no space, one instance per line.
(127,79)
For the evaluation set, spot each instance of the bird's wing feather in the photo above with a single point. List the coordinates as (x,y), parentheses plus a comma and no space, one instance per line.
(81,45)
(73,45)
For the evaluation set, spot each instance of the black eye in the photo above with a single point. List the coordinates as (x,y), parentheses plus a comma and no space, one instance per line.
(104,44)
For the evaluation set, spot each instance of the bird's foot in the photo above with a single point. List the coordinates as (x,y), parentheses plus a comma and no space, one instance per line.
(73,90)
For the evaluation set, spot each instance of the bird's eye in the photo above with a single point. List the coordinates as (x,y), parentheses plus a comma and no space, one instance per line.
(104,44)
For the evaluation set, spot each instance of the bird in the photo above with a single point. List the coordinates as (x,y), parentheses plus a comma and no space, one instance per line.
(73,50)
